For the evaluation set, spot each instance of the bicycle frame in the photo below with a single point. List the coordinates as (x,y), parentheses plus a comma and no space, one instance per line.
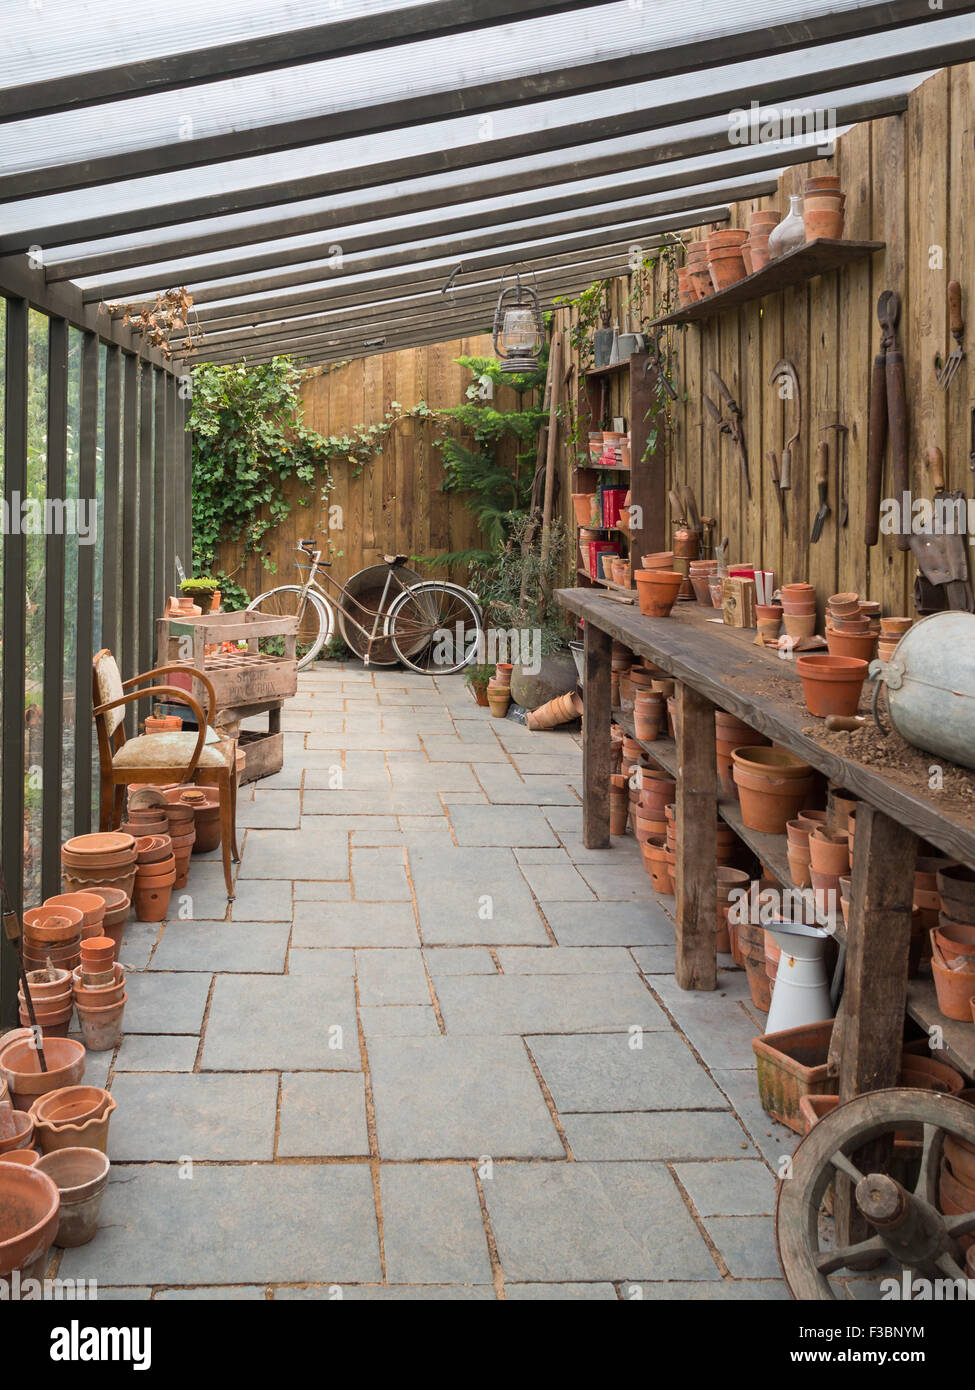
(371,635)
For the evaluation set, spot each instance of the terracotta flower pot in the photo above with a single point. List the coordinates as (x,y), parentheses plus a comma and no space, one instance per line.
(97,953)
(582,502)
(153,848)
(499,700)
(97,996)
(657,591)
(91,1133)
(831,684)
(81,1176)
(29,1207)
(823,222)
(799,628)
(22,1157)
(47,984)
(70,1105)
(829,851)
(153,875)
(152,903)
(101,1026)
(758,250)
(21,1133)
(658,863)
(53,925)
(658,560)
(799,869)
(772,786)
(20,1068)
(954,988)
(727,267)
(53,1023)
(91,905)
(862,648)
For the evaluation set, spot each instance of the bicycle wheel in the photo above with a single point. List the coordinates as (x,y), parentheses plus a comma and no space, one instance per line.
(434,627)
(315,620)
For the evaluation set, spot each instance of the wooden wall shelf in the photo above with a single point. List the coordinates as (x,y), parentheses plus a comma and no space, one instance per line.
(805,263)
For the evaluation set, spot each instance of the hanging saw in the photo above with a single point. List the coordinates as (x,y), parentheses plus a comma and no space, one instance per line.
(731,426)
(785,369)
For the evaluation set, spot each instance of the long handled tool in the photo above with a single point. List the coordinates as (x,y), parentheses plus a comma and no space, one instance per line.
(773,465)
(822,483)
(947,374)
(785,370)
(877,431)
(732,426)
(12,931)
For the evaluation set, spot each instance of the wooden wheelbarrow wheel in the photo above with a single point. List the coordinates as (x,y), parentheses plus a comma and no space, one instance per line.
(907,1227)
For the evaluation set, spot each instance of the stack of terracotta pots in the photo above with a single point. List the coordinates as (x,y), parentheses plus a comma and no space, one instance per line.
(701,573)
(105,859)
(182,832)
(823,207)
(155,877)
(891,632)
(768,617)
(91,906)
(953,943)
(731,733)
(163,724)
(561,710)
(651,792)
(831,684)
(499,691)
(829,856)
(52,936)
(773,786)
(850,627)
(147,820)
(798,831)
(649,715)
(755,249)
(50,992)
(725,261)
(658,860)
(799,610)
(727,843)
(730,884)
(205,804)
(697,267)
(99,994)
(20,1066)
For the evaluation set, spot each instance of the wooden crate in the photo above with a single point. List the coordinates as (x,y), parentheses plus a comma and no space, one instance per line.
(241,677)
(264,754)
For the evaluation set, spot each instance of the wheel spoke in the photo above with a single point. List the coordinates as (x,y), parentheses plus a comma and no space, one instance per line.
(960,1225)
(924,1187)
(950,1266)
(840,1162)
(831,1260)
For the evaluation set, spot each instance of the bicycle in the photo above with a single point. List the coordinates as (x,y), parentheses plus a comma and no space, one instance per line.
(433,626)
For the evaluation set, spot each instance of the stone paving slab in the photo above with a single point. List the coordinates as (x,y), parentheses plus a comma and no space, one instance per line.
(746,1244)
(223,1293)
(602,1072)
(663,1134)
(297,1023)
(156,1052)
(498,1004)
(217,946)
(165,1003)
(392,977)
(322,1115)
(379,875)
(714,1020)
(734,1290)
(561,1293)
(354,924)
(459,960)
(336,961)
(167,1118)
(473,896)
(451,1097)
(291,853)
(610,924)
(272,810)
(432,1227)
(391,1293)
(557,883)
(501,825)
(225,1226)
(587,1222)
(741,1188)
(565,960)
(399,1021)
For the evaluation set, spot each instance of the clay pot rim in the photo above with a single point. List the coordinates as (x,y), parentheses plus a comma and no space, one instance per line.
(821,666)
(750,757)
(665,578)
(60,1096)
(100,1010)
(80,1192)
(33,1177)
(108,842)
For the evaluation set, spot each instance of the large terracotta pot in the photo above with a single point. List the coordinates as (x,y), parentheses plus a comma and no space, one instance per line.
(29,1206)
(831,684)
(773,786)
(657,591)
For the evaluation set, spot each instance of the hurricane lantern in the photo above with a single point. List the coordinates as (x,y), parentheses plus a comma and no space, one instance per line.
(518,328)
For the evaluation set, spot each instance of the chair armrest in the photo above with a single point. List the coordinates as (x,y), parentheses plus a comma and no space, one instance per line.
(185,671)
(181,694)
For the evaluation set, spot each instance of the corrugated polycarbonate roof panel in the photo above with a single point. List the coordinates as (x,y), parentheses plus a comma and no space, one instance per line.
(176,123)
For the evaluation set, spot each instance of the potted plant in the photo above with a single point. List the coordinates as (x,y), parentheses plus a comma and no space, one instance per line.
(201,590)
(477,678)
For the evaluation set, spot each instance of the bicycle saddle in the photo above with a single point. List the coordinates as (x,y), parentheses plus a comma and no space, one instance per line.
(396,559)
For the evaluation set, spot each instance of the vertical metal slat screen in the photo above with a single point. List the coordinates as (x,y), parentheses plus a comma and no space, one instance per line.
(54,605)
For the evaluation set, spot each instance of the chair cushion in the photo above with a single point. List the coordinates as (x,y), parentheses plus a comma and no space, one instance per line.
(109,684)
(172,749)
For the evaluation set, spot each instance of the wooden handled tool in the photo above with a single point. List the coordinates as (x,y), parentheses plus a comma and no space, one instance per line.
(822,482)
(846,722)
(957,323)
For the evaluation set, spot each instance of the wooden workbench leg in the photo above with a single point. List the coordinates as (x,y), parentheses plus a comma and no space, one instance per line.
(274,720)
(869,1031)
(697,810)
(596,752)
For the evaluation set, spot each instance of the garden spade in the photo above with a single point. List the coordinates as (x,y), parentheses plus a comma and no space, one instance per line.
(822,483)
(940,553)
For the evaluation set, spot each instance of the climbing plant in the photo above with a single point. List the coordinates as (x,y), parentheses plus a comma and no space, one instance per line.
(249,440)
(497,491)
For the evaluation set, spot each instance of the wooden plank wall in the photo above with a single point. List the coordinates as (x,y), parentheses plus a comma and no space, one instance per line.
(394,505)
(909,183)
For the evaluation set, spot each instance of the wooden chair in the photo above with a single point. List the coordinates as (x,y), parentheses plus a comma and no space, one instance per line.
(172,756)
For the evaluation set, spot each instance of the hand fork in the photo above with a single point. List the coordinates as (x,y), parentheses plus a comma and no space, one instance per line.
(947,373)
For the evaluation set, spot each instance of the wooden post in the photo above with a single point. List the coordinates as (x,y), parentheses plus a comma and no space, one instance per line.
(697,809)
(596,755)
(868,1034)
(555,363)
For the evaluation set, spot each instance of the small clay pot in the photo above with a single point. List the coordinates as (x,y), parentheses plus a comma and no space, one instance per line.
(829,851)
(53,925)
(101,1027)
(20,1067)
(657,591)
(726,267)
(861,647)
(81,1176)
(70,1105)
(826,223)
(831,684)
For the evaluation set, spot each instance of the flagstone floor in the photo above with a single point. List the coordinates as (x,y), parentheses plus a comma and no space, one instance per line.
(434,1048)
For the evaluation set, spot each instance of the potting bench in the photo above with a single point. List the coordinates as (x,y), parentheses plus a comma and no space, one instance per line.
(720,667)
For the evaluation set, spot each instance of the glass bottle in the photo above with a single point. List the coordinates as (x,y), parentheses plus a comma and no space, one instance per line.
(790,232)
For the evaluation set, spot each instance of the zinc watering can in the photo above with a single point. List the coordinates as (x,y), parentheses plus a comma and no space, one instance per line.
(930,686)
(801,992)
